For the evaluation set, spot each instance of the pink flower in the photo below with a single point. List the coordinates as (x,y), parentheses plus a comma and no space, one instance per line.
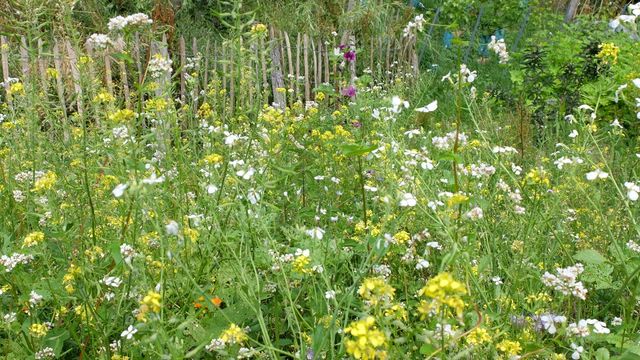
(349,91)
(350,56)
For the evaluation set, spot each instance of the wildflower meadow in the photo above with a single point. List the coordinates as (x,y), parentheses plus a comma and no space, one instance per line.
(319,179)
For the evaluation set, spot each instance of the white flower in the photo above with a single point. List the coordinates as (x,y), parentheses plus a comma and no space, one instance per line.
(330,294)
(475,214)
(429,108)
(129,332)
(118,191)
(633,246)
(566,281)
(34,298)
(617,95)
(316,233)
(632,190)
(636,82)
(496,280)
(246,174)
(397,103)
(578,351)
(573,134)
(253,196)
(153,179)
(422,264)
(112,281)
(597,174)
(616,321)
(408,200)
(212,189)
(172,228)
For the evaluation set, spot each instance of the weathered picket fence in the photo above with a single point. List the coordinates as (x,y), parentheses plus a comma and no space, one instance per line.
(282,68)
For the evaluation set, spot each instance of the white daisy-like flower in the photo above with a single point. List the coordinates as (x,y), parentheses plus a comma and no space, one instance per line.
(408,200)
(596,174)
(129,332)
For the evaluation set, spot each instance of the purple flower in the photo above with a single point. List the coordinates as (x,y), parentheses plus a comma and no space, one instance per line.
(356,124)
(350,56)
(342,46)
(349,91)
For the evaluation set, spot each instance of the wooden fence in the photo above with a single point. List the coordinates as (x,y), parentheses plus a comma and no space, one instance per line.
(276,67)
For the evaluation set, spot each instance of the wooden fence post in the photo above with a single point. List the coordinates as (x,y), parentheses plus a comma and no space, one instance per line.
(4,57)
(24,59)
(183,63)
(75,74)
(307,86)
(57,61)
(277,81)
(42,67)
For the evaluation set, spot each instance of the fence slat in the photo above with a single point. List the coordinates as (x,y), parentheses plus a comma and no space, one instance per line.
(42,67)
(75,74)
(108,77)
(196,84)
(57,62)
(4,57)
(183,64)
(125,83)
(307,86)
(277,82)
(24,59)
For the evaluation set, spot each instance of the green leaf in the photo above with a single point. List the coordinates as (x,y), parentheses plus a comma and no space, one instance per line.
(356,149)
(427,349)
(602,354)
(590,256)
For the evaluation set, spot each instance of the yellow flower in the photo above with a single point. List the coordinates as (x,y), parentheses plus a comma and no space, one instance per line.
(38,330)
(152,301)
(33,239)
(205,110)
(478,336)
(258,29)
(368,342)
(104,97)
(16,89)
(510,348)
(52,72)
(608,53)
(375,290)
(234,335)
(212,159)
(46,182)
(401,237)
(442,289)
(457,199)
(123,115)
(320,96)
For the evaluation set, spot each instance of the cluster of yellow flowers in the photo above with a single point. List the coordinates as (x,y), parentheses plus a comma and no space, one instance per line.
(70,277)
(234,335)
(301,264)
(38,330)
(150,302)
(33,239)
(478,336)
(441,290)
(368,341)
(509,348)
(123,116)
(376,290)
(258,29)
(608,53)
(46,182)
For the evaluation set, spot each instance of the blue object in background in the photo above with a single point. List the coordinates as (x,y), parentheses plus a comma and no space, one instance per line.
(447,39)
(416,4)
